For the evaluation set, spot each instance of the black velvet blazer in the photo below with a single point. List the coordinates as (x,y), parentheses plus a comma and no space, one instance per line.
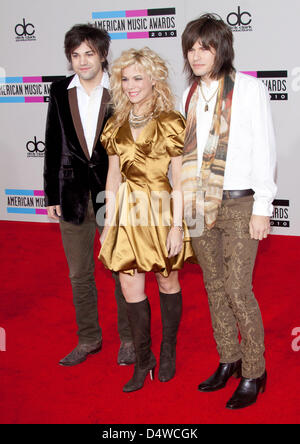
(70,174)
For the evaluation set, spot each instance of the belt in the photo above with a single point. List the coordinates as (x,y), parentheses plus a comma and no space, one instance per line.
(235,194)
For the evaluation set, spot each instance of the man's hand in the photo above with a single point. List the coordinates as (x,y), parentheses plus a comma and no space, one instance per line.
(54,212)
(259,227)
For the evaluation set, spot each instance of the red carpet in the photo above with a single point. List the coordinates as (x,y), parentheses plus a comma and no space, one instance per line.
(37,314)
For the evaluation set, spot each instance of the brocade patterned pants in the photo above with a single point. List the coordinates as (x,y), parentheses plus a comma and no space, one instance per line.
(227,256)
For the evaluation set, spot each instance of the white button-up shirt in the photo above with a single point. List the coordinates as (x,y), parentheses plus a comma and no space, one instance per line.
(89,107)
(251,156)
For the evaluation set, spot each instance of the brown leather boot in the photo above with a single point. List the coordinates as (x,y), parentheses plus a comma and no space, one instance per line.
(139,320)
(171,309)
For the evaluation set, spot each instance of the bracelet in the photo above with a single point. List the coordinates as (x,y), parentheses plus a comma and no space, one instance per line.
(179,227)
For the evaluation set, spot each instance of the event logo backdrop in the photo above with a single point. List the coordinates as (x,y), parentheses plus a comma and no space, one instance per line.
(26,89)
(240,20)
(25,32)
(137,24)
(32,57)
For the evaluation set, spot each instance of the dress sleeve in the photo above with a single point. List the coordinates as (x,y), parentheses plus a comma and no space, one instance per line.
(108,137)
(175,132)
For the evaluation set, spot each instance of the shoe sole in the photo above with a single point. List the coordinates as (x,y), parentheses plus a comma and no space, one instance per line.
(163,379)
(133,390)
(262,390)
(240,408)
(236,375)
(125,364)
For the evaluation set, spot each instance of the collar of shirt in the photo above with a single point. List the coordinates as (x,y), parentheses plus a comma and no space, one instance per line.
(75,83)
(212,87)
(89,106)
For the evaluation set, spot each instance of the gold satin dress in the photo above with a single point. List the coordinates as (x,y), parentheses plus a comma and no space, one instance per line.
(136,240)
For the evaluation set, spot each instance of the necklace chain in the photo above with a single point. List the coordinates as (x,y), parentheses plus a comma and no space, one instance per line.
(207,100)
(138,121)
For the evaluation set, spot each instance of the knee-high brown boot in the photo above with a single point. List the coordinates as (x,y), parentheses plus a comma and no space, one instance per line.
(171,309)
(139,319)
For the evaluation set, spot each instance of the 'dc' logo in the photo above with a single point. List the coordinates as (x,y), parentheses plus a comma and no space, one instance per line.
(33,146)
(239,18)
(23,29)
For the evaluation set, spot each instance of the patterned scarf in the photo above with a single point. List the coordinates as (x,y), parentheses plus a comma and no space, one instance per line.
(203,194)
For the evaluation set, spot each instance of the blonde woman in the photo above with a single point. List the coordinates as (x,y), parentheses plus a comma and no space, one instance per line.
(142,138)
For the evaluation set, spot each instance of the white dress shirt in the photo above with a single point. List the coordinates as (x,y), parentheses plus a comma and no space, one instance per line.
(89,107)
(251,155)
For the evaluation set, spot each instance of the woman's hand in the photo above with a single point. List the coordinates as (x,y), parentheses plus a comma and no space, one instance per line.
(174,241)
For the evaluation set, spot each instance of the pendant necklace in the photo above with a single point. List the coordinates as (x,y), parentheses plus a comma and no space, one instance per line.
(207,100)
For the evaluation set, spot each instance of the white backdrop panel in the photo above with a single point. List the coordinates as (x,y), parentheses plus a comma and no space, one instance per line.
(266,35)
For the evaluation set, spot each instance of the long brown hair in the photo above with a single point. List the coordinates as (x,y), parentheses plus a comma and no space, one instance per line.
(213,32)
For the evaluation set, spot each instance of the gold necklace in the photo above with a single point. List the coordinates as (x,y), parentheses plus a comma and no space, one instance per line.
(207,100)
(138,121)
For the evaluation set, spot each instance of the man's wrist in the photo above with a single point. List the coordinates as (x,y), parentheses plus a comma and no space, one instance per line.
(262,208)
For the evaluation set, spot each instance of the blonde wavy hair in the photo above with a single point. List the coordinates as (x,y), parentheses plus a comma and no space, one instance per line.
(155,68)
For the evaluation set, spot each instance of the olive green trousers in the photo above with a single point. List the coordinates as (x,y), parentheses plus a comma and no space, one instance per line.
(78,242)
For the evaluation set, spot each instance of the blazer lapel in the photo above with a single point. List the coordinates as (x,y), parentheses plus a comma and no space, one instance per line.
(72,94)
(104,102)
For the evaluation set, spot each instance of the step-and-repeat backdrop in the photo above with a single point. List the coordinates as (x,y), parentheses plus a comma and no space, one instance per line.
(267,35)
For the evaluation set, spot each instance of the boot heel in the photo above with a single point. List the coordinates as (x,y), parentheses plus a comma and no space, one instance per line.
(263,388)
(151,372)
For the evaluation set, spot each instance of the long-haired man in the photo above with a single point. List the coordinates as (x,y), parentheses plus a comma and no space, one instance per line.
(229,159)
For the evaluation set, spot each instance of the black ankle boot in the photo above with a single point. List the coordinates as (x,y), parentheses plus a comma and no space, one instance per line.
(139,320)
(220,378)
(171,309)
(247,392)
